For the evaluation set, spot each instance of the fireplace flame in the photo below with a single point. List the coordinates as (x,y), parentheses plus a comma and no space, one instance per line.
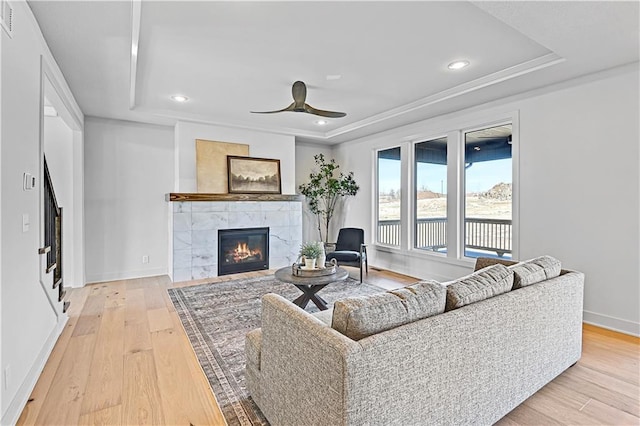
(243,252)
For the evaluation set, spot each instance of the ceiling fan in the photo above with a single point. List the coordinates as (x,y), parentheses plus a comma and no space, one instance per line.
(299,92)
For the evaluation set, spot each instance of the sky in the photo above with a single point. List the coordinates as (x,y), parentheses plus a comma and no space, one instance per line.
(480,176)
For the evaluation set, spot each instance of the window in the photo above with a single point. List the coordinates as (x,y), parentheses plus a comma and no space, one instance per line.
(449,195)
(389,190)
(430,195)
(488,187)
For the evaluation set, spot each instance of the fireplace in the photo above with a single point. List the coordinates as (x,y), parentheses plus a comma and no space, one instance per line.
(242,250)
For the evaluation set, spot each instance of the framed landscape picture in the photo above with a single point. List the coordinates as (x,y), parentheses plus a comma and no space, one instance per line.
(249,175)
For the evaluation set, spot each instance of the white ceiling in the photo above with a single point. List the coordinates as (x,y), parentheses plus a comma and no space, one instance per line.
(233,57)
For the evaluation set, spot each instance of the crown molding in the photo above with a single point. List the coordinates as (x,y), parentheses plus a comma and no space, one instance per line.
(536,64)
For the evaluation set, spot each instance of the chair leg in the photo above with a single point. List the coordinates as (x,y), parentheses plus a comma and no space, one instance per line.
(366,262)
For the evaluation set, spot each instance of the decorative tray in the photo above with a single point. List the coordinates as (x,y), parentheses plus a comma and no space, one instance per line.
(299,270)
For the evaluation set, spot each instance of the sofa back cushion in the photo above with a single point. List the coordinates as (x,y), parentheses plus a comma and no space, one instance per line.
(483,284)
(483,262)
(535,270)
(362,316)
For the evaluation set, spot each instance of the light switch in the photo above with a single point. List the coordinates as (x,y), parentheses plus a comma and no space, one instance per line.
(28,181)
(25,222)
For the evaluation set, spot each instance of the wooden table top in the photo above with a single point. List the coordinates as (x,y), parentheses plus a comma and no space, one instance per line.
(285,275)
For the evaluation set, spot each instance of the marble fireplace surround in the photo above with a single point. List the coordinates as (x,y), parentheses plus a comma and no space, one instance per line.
(196,219)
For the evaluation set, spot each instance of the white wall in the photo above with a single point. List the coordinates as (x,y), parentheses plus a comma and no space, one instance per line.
(58,149)
(261,144)
(78,207)
(129,167)
(30,324)
(579,188)
(305,165)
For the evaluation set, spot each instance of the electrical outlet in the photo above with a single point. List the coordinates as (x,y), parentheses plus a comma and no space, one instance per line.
(145,259)
(6,377)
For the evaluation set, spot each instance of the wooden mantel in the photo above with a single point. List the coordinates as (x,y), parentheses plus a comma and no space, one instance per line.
(195,196)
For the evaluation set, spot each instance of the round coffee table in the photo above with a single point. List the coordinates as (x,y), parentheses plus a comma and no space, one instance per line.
(310,285)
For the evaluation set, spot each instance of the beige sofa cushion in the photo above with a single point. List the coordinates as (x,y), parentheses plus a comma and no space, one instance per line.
(483,284)
(362,316)
(535,270)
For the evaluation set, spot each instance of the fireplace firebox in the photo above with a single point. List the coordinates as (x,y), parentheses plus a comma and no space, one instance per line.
(242,250)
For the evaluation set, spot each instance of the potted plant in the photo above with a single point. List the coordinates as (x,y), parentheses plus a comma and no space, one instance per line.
(310,251)
(325,189)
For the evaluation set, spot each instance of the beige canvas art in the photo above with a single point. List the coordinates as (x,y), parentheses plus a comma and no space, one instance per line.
(211,164)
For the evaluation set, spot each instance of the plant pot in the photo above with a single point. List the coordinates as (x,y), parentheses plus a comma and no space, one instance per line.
(309,263)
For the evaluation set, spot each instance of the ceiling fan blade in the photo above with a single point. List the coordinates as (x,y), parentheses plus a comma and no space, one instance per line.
(331,114)
(299,93)
(289,108)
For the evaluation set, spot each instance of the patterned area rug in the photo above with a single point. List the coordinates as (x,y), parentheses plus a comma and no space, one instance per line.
(216,318)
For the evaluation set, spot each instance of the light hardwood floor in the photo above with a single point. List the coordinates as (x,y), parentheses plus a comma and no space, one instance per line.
(124,358)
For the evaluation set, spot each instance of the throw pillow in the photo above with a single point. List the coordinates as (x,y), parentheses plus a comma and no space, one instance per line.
(483,284)
(535,270)
(362,316)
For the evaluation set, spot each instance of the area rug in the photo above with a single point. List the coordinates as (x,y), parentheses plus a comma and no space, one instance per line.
(216,318)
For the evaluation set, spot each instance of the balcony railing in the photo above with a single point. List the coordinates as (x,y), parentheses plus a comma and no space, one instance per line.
(488,234)
(431,234)
(389,232)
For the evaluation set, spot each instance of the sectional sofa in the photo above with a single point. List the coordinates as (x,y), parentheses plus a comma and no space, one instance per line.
(465,352)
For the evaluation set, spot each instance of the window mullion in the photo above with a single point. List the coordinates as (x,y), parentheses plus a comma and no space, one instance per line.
(455,173)
(405,196)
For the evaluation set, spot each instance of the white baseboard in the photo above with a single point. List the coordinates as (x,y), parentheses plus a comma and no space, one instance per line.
(126,275)
(21,397)
(612,323)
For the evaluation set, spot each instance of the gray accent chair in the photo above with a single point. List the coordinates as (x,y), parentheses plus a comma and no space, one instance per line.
(350,249)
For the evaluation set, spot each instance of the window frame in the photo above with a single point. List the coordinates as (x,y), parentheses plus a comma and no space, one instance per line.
(515,188)
(376,197)
(455,134)
(413,220)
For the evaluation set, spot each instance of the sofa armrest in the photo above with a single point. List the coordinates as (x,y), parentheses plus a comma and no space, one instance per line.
(253,348)
(303,366)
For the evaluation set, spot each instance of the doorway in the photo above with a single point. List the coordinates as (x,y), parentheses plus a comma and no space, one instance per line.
(62,146)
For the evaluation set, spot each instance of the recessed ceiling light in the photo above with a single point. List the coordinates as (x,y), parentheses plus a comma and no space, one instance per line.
(179,98)
(334,77)
(321,122)
(457,65)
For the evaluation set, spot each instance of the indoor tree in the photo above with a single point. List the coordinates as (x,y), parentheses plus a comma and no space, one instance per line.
(325,189)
